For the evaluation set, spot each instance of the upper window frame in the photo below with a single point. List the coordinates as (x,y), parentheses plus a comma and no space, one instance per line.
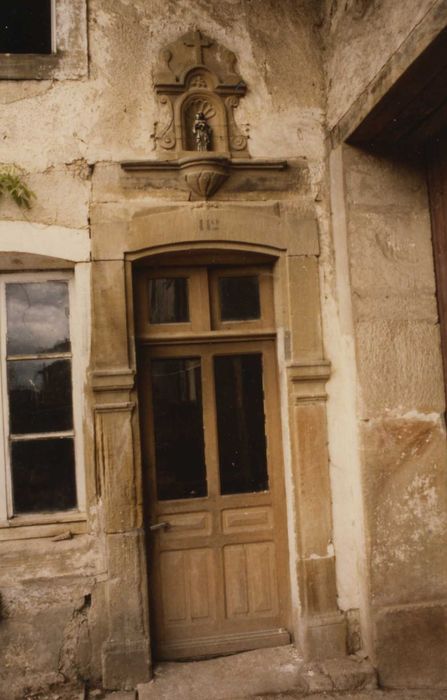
(205,320)
(7,516)
(69,57)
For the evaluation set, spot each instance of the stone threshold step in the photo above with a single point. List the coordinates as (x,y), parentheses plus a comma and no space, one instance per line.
(254,673)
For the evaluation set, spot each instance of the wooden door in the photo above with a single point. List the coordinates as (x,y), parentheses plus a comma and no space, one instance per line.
(212,455)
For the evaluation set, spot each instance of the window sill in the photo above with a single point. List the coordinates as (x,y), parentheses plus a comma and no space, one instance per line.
(28,66)
(51,525)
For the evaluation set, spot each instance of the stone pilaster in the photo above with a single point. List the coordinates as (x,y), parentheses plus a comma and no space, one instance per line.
(324,626)
(126,653)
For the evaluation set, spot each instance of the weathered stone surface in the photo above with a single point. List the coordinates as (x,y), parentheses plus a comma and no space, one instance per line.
(125,664)
(412,647)
(68,183)
(391,251)
(368,695)
(326,635)
(278,670)
(261,671)
(406,486)
(304,303)
(399,368)
(350,674)
(362,36)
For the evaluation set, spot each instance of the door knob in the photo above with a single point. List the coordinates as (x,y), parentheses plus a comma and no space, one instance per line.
(160,526)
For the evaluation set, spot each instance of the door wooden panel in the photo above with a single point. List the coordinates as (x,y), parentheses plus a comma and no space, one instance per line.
(219,567)
(187,586)
(250,580)
(239,520)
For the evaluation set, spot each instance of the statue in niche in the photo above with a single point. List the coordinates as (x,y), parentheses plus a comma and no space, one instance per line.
(202,132)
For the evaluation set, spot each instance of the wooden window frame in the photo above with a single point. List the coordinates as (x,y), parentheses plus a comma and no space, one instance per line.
(203,302)
(198,303)
(266,319)
(7,516)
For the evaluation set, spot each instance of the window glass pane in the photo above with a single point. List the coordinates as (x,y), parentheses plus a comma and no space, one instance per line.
(43,475)
(25,26)
(38,317)
(178,426)
(39,396)
(168,300)
(241,423)
(239,298)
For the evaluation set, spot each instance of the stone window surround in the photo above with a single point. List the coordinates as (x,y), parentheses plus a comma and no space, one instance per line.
(69,59)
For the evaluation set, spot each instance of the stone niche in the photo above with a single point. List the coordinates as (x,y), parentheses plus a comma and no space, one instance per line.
(198,87)
(197,76)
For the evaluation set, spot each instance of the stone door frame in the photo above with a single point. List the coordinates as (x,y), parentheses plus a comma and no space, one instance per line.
(123,234)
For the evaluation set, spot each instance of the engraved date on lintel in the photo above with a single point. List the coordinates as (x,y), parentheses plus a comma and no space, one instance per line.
(209,224)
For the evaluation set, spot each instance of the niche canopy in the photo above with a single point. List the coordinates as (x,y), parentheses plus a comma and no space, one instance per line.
(197,82)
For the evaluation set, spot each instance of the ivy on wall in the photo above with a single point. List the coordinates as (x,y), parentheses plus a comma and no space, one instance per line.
(12,184)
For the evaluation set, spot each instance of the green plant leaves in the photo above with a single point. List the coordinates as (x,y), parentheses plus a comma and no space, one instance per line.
(11,183)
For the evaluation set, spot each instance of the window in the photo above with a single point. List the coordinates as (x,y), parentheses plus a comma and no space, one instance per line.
(43,39)
(37,363)
(26,26)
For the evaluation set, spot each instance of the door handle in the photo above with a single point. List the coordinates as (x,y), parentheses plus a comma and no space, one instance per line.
(160,526)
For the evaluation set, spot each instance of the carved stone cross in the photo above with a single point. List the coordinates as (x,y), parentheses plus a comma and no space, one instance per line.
(196,40)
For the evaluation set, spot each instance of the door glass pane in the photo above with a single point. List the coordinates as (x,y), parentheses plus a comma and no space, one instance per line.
(168,300)
(43,475)
(39,396)
(38,318)
(239,298)
(241,423)
(178,428)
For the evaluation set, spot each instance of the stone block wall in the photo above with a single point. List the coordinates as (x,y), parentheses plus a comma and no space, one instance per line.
(400,405)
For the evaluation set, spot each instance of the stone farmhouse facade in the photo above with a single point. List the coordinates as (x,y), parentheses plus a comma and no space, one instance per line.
(222,330)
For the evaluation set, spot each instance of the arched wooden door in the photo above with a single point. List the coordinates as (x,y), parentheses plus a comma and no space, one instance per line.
(212,458)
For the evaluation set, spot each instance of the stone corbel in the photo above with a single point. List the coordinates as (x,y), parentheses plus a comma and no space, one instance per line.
(308,380)
(204,173)
(113,388)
